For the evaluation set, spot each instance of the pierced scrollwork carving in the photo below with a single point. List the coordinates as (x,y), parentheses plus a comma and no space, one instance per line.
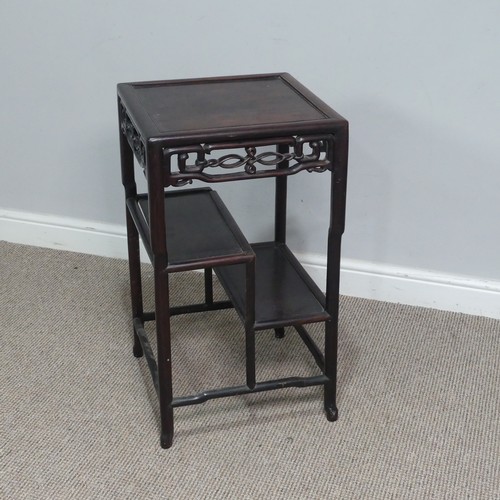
(315,160)
(133,138)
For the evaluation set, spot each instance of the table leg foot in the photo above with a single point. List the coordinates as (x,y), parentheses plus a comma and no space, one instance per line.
(332,414)
(137,350)
(279,333)
(166,440)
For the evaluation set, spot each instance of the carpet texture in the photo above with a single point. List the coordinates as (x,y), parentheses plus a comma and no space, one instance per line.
(418,397)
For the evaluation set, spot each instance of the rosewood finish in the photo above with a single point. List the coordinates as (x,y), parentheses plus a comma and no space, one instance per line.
(213,130)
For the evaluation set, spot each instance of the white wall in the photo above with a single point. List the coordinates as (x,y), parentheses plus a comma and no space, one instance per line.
(418,82)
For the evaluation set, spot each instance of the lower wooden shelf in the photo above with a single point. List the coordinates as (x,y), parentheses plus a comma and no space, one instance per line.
(284,293)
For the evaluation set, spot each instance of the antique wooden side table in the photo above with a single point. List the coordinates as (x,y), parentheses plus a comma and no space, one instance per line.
(178,131)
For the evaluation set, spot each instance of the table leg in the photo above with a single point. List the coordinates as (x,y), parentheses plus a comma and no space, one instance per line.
(209,286)
(128,181)
(164,355)
(250,324)
(134,263)
(337,152)
(280,212)
(331,327)
(154,166)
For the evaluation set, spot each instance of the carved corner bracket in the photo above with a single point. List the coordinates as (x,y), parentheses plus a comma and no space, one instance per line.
(133,137)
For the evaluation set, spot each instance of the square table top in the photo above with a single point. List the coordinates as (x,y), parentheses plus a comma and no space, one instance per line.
(181,111)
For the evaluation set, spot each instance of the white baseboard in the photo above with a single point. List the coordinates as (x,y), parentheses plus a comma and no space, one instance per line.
(411,286)
(63,233)
(358,278)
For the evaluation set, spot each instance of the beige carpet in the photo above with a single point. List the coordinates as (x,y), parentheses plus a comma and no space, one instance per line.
(419,398)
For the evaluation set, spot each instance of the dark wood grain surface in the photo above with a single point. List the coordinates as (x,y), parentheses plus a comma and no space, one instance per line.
(230,106)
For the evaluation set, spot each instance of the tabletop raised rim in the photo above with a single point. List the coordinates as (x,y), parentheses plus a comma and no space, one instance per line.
(330,121)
